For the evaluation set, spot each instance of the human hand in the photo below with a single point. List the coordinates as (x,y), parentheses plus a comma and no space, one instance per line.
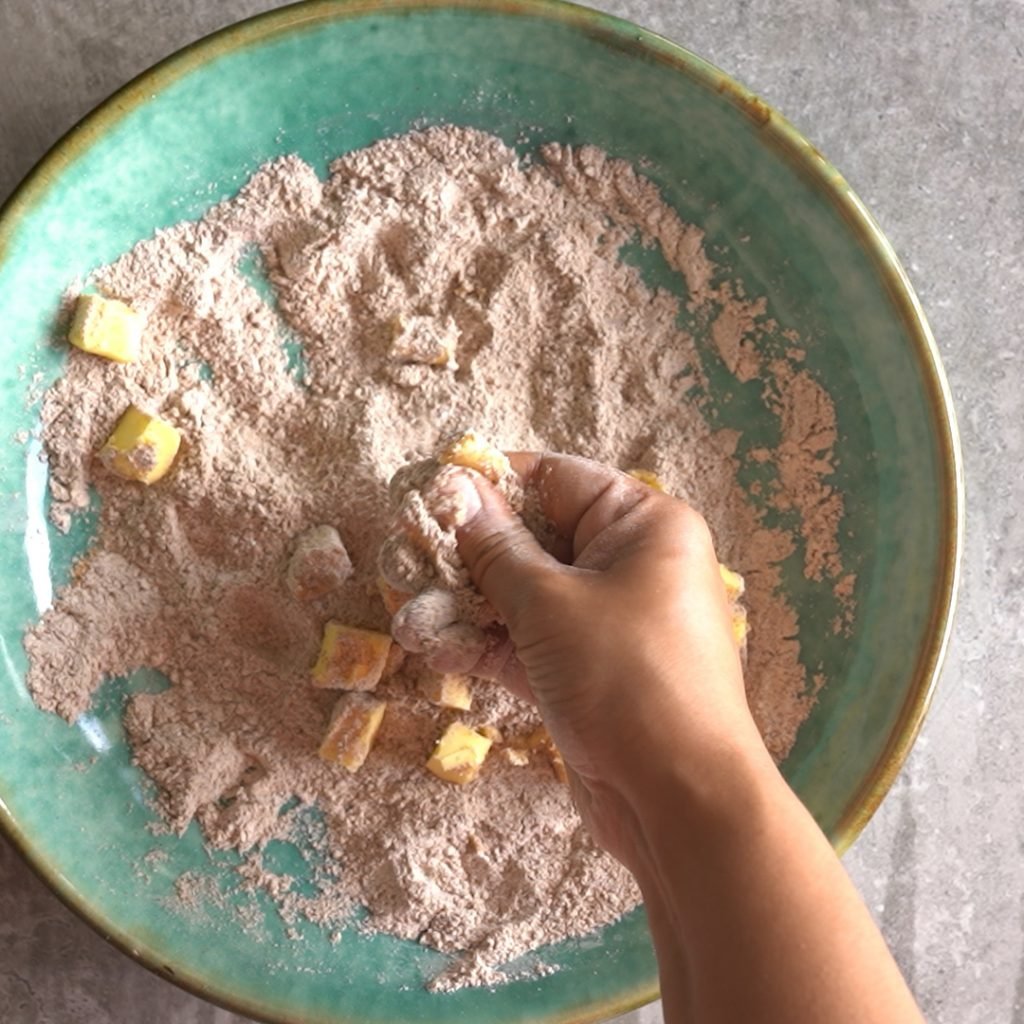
(625,643)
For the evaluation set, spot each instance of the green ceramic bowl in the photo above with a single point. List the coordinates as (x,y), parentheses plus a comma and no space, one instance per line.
(325,77)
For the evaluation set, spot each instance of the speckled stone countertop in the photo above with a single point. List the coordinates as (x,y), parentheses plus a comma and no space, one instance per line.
(921,104)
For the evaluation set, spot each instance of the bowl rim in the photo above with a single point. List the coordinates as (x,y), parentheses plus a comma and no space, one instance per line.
(802,157)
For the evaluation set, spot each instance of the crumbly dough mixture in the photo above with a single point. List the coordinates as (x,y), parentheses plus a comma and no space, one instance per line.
(433,281)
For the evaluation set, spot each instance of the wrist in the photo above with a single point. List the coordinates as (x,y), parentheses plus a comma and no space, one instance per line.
(687,750)
(701,797)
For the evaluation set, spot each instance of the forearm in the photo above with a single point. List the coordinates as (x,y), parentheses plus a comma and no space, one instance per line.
(673,969)
(758,919)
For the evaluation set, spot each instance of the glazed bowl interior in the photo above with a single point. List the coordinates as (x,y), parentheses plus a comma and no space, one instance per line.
(325,78)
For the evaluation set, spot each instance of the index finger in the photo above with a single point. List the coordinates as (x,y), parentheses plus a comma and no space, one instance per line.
(579,497)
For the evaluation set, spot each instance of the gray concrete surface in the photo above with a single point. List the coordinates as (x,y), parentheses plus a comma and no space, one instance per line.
(921,104)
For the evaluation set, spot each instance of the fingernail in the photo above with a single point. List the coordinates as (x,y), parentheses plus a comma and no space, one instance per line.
(417,624)
(453,499)
(459,647)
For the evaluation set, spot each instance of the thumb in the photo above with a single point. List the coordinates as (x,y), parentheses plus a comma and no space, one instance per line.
(502,556)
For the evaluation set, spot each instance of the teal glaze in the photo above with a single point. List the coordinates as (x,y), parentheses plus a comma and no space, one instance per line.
(323,78)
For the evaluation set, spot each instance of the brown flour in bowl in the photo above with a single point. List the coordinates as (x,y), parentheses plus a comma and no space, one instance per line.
(295,410)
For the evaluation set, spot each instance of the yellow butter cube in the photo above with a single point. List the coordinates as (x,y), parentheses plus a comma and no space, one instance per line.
(423,339)
(740,626)
(142,447)
(558,765)
(645,476)
(473,452)
(351,658)
(492,732)
(540,740)
(393,598)
(354,725)
(108,328)
(319,564)
(734,585)
(459,754)
(447,690)
(394,662)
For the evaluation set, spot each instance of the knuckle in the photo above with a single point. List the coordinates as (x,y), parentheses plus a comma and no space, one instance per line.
(689,527)
(675,521)
(686,517)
